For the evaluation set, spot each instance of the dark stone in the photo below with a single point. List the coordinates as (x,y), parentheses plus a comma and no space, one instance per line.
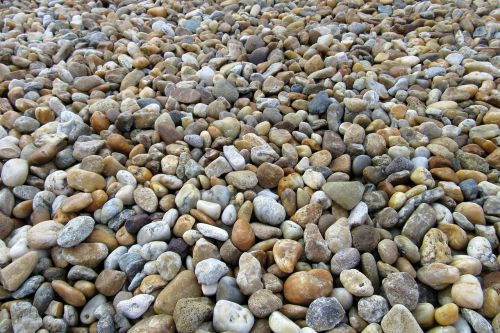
(365,238)
(324,314)
(134,223)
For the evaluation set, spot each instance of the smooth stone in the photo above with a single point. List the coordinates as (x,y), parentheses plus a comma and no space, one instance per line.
(229,316)
(356,283)
(168,265)
(249,274)
(44,235)
(14,172)
(243,180)
(302,288)
(75,231)
(13,275)
(346,194)
(268,211)
(210,270)
(280,323)
(467,292)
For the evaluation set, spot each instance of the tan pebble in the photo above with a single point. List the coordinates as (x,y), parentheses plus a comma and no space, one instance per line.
(184,223)
(76,202)
(69,294)
(13,275)
(424,314)
(103,234)
(308,214)
(472,211)
(184,285)
(44,235)
(86,287)
(55,309)
(85,181)
(151,283)
(471,174)
(242,235)
(123,237)
(118,143)
(99,198)
(63,218)
(109,282)
(404,265)
(447,314)
(23,209)
(286,254)
(467,292)
(99,122)
(457,237)
(154,324)
(86,254)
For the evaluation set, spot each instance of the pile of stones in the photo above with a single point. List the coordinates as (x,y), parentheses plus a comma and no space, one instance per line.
(249,166)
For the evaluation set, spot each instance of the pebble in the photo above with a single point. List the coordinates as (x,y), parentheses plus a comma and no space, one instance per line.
(168,265)
(302,288)
(466,292)
(263,302)
(229,316)
(134,307)
(25,318)
(268,211)
(209,271)
(280,323)
(184,285)
(398,319)
(324,313)
(356,283)
(190,313)
(401,288)
(14,172)
(14,274)
(346,194)
(373,308)
(75,231)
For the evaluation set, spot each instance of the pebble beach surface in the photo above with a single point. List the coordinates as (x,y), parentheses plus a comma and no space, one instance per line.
(243,166)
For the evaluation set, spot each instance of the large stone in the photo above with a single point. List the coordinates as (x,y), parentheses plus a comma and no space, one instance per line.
(400,319)
(302,288)
(346,194)
(324,314)
(184,285)
(229,316)
(417,225)
(189,313)
(13,275)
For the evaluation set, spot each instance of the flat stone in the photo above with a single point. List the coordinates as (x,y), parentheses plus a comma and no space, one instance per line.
(184,285)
